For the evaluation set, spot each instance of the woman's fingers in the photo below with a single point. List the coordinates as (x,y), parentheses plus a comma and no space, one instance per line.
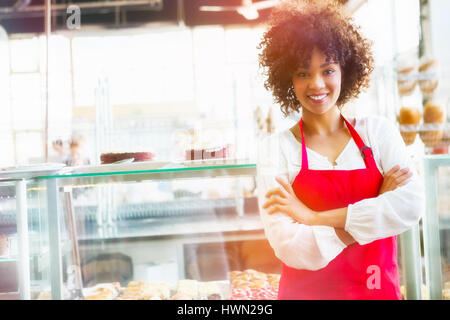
(399,173)
(403,179)
(394,169)
(275,192)
(401,176)
(275,209)
(395,177)
(285,185)
(275,200)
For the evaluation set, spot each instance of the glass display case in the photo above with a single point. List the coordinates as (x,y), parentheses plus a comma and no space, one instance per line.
(436,226)
(152,230)
(24,245)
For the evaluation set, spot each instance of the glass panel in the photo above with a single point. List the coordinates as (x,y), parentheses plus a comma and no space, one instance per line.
(443,207)
(436,226)
(38,242)
(24,267)
(9,284)
(165,233)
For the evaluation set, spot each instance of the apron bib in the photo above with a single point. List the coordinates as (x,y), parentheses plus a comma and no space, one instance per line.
(359,272)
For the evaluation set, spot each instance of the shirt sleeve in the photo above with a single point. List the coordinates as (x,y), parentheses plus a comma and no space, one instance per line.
(392,212)
(296,245)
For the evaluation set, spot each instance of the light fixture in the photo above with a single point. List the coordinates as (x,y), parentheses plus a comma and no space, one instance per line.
(248,13)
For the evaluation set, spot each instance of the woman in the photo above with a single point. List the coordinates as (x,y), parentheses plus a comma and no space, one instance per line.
(328,212)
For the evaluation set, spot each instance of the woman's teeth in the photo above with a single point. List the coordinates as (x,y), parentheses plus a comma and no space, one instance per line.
(318,97)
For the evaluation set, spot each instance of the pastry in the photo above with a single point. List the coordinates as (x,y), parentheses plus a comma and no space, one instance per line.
(433,118)
(210,291)
(428,81)
(428,64)
(409,118)
(274,279)
(252,279)
(210,153)
(406,77)
(141,290)
(428,86)
(101,294)
(103,291)
(181,296)
(187,288)
(112,157)
(433,113)
(406,88)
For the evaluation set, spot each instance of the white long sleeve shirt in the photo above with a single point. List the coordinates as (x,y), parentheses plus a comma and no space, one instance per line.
(313,247)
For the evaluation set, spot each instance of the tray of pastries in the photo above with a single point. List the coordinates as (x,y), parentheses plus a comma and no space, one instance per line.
(253,285)
(185,289)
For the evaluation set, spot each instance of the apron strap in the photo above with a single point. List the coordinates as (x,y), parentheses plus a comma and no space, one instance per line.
(304,155)
(366,152)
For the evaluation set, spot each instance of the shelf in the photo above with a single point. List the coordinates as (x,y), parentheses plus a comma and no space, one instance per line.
(173,228)
(135,172)
(438,159)
(7,259)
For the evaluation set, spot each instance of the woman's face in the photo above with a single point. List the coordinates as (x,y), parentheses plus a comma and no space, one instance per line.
(317,86)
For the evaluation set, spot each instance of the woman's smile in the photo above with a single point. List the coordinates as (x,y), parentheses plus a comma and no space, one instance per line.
(318,98)
(317,85)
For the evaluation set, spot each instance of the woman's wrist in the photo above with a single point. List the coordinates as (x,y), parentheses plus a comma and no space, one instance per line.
(332,218)
(344,236)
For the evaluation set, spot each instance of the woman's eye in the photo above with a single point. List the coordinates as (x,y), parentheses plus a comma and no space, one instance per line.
(301,74)
(329,71)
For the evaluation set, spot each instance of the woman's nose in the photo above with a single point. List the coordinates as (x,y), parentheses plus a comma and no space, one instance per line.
(316,82)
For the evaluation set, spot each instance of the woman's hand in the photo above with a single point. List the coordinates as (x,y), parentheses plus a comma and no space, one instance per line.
(395,178)
(284,200)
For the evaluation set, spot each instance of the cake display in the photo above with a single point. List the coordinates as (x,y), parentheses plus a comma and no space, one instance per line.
(409,119)
(428,76)
(111,157)
(208,153)
(185,289)
(406,72)
(433,119)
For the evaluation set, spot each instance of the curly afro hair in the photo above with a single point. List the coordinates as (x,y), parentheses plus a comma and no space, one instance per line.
(294,31)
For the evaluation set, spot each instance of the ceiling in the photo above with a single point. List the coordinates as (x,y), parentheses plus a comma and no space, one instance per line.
(27,16)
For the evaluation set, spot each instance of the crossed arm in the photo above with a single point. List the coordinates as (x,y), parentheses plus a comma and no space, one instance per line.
(283,200)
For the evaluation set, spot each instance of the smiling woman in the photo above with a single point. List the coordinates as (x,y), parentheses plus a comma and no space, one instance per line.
(318,85)
(287,47)
(332,193)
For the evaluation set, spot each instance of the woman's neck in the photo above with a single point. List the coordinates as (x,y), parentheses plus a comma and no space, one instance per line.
(322,124)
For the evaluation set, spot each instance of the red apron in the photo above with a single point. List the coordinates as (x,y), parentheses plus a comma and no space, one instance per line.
(360,271)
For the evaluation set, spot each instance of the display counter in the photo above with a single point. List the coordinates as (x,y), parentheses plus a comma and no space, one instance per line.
(141,226)
(153,231)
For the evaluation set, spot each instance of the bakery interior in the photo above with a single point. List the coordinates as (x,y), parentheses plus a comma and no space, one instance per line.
(129,137)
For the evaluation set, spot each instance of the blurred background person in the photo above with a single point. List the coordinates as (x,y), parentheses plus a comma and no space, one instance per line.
(77,155)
